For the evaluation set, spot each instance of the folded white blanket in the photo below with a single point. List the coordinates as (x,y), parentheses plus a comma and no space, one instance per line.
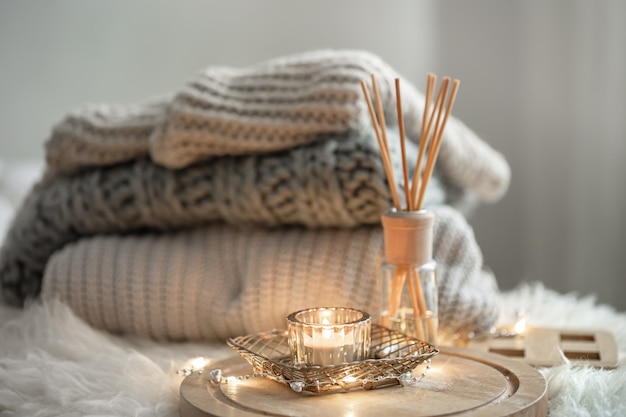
(218,281)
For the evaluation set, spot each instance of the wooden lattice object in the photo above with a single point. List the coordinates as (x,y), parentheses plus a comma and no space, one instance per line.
(550,347)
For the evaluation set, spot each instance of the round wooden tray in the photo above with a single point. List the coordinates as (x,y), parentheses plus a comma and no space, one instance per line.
(459,383)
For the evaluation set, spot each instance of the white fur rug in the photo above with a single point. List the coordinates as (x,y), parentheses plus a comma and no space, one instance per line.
(53,364)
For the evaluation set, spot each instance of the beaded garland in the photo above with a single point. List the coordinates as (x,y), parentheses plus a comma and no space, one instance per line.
(217,376)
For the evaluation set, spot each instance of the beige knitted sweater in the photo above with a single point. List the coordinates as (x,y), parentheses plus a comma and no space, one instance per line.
(217,281)
(275,105)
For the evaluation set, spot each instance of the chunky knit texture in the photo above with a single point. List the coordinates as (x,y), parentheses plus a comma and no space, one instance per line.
(217,281)
(275,105)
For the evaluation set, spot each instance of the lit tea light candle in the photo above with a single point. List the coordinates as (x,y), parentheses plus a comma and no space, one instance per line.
(329,336)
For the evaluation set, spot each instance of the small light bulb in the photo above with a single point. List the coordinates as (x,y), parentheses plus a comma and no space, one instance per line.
(198,363)
(520,325)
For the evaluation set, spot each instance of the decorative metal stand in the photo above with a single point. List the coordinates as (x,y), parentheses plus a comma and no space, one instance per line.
(393,355)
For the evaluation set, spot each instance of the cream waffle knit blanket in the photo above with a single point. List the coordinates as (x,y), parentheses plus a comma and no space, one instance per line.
(286,142)
(217,281)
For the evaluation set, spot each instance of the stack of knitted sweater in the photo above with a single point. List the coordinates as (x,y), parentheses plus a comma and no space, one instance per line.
(248,194)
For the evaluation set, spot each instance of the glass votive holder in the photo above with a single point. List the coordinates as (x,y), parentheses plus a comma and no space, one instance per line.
(327,336)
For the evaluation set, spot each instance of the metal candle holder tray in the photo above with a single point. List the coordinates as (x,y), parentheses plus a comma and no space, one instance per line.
(393,355)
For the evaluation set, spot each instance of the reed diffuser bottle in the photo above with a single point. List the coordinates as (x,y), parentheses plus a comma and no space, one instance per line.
(408,275)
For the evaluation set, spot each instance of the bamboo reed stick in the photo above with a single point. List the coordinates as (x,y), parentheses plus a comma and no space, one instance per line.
(437,135)
(384,151)
(383,131)
(395,296)
(418,304)
(405,169)
(423,141)
(433,123)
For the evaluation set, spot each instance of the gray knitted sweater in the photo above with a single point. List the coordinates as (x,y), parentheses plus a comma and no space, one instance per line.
(336,183)
(285,142)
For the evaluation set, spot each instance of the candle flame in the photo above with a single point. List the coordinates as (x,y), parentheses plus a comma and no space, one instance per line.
(326,333)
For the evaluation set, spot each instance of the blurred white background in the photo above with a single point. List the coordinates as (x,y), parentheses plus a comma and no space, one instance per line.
(542,82)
